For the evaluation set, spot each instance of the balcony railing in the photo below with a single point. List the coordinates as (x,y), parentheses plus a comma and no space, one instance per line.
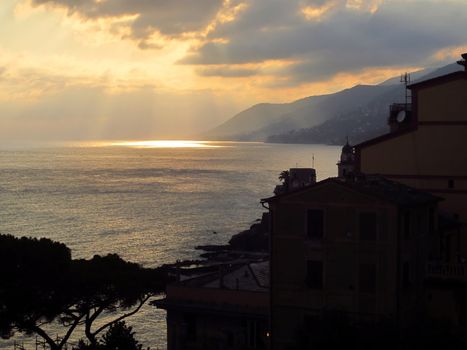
(447,271)
(397,107)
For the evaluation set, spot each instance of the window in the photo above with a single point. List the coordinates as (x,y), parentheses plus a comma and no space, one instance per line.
(431,220)
(419,228)
(406,275)
(367,278)
(367,222)
(230,338)
(314,274)
(311,321)
(407,225)
(315,224)
(451,183)
(252,334)
(190,321)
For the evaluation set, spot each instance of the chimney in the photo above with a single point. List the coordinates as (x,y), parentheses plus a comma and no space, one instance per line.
(463,62)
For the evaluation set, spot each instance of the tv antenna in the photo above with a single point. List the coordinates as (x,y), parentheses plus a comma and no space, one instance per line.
(406,80)
(313,160)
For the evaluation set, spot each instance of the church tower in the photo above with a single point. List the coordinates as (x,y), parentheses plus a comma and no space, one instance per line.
(346,165)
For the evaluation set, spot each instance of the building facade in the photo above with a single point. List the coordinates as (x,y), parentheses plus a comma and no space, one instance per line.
(351,247)
(225,310)
(427,147)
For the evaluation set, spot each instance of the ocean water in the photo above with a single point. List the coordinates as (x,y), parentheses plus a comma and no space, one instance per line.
(152,203)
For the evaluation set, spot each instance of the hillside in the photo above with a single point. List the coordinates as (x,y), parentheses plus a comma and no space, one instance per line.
(260,121)
(359,113)
(359,124)
(249,122)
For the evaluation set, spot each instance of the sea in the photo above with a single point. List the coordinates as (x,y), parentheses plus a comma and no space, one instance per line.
(150,202)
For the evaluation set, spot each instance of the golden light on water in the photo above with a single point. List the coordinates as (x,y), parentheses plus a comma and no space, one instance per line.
(167,144)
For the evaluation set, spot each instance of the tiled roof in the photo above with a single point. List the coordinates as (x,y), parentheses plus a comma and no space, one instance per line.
(373,185)
(439,80)
(390,190)
(246,277)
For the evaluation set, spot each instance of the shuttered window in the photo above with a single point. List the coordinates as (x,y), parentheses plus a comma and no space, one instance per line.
(367,226)
(315,224)
(314,275)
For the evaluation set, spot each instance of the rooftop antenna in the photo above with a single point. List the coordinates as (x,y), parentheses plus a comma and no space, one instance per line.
(313,160)
(405,79)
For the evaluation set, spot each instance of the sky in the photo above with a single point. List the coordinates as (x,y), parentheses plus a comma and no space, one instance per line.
(146,69)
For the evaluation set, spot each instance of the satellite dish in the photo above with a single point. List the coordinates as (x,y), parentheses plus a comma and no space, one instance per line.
(401,116)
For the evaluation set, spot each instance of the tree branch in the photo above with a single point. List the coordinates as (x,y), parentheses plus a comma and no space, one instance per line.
(88,323)
(70,331)
(96,313)
(142,302)
(45,336)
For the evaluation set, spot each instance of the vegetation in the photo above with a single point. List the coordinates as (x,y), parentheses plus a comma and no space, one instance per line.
(42,284)
(118,336)
(284,177)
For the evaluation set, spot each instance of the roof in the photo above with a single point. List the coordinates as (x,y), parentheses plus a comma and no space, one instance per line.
(439,80)
(376,186)
(385,137)
(247,277)
(419,85)
(347,148)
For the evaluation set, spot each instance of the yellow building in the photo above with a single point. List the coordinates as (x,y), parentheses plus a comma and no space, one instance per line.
(427,146)
(355,247)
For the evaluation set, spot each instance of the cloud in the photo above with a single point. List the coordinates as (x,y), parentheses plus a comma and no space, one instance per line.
(227,72)
(36,105)
(92,113)
(144,18)
(340,36)
(321,37)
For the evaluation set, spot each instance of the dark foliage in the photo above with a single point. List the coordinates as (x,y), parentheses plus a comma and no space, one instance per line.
(121,337)
(118,336)
(41,283)
(34,282)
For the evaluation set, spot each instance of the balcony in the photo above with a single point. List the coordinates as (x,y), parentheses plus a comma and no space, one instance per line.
(446,271)
(397,107)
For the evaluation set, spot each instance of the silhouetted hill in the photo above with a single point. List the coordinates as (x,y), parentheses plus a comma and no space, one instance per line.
(262,120)
(253,118)
(359,112)
(362,123)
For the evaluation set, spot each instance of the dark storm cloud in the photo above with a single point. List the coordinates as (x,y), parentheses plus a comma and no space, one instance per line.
(343,39)
(169,17)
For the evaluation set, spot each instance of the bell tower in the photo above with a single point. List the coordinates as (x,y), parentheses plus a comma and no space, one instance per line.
(346,165)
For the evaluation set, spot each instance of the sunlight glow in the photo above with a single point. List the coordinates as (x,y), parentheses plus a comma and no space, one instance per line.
(167,144)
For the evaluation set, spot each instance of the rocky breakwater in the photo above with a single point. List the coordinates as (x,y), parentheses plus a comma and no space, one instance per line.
(247,246)
(250,243)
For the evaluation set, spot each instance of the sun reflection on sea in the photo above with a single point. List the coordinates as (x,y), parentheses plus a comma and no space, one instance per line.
(167,144)
(158,144)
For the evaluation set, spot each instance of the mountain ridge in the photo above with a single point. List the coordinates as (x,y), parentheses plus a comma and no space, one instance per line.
(359,112)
